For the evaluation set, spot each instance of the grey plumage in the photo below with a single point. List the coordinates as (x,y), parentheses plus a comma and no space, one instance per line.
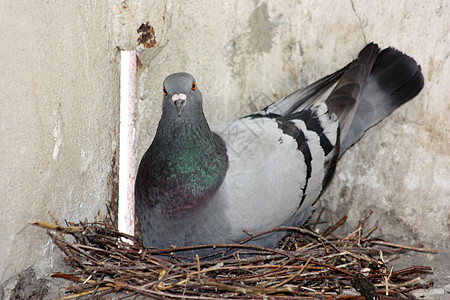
(201,185)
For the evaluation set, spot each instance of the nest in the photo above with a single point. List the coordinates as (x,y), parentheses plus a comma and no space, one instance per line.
(307,265)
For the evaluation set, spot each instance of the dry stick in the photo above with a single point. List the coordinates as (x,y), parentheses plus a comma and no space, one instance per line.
(244,290)
(76,229)
(63,229)
(366,235)
(318,217)
(214,246)
(357,256)
(275,268)
(67,250)
(154,293)
(350,236)
(399,272)
(293,276)
(73,296)
(72,278)
(56,222)
(302,230)
(160,279)
(199,269)
(397,286)
(333,268)
(334,227)
(84,253)
(84,281)
(386,281)
(283,228)
(361,224)
(359,229)
(404,247)
(411,269)
(363,258)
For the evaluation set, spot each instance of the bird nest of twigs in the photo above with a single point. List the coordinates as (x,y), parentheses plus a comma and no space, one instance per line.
(307,265)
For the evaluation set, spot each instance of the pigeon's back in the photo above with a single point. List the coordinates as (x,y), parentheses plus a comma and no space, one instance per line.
(278,168)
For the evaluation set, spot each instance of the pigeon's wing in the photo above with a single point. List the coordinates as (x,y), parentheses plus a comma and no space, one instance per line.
(277,167)
(303,98)
(351,80)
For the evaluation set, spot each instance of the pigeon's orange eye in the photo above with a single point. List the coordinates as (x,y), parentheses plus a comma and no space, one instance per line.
(165,91)
(194,86)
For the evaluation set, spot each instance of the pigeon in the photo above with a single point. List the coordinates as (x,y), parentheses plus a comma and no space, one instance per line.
(199,184)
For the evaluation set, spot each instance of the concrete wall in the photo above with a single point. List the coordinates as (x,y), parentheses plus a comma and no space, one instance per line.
(60,102)
(59,97)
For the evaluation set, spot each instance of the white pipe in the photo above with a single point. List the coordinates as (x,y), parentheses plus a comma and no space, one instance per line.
(127,154)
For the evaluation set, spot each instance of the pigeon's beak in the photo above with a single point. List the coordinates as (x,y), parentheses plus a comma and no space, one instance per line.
(179,100)
(179,104)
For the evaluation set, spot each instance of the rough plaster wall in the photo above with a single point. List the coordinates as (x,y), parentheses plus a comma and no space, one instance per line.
(245,54)
(59,98)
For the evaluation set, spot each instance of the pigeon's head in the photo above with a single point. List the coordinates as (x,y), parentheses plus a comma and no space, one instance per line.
(181,96)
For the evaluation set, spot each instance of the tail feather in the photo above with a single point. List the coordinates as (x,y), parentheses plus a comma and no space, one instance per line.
(367,90)
(344,99)
(395,79)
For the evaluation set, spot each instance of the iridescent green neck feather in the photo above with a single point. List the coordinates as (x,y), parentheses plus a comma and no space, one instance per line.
(184,166)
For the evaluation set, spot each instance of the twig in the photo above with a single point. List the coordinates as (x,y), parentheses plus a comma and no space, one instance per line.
(292,276)
(333,228)
(318,218)
(63,229)
(418,249)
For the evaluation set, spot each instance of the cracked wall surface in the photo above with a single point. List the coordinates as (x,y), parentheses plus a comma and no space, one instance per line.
(60,94)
